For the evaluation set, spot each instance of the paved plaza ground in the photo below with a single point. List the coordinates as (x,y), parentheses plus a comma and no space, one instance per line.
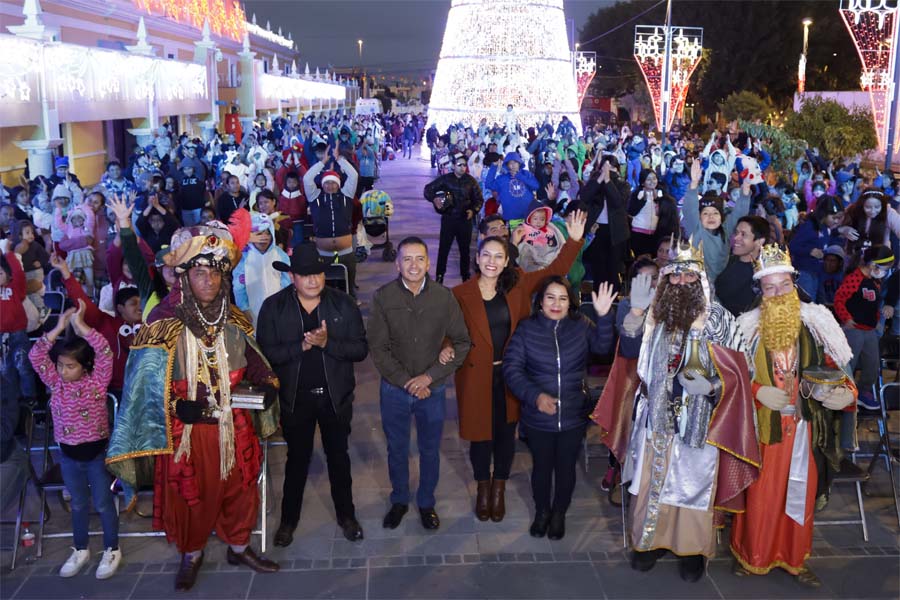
(465,558)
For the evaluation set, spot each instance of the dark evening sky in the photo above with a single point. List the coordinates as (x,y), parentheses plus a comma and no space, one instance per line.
(398,35)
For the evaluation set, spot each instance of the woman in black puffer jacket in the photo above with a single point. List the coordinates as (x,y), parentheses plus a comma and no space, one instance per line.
(544,367)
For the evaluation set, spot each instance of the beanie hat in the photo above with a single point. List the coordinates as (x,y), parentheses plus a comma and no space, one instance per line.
(712,199)
(331,176)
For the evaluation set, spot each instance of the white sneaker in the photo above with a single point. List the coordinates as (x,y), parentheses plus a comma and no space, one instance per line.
(109,564)
(76,561)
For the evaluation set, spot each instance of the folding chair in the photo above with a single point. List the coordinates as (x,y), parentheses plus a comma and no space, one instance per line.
(337,276)
(31,477)
(53,281)
(888,395)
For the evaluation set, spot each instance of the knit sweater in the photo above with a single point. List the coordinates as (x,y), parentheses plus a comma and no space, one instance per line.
(12,297)
(78,407)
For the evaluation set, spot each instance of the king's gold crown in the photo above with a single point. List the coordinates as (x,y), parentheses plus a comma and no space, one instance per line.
(773,258)
(684,256)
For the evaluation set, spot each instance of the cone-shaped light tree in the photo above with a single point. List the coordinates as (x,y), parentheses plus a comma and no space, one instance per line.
(501,52)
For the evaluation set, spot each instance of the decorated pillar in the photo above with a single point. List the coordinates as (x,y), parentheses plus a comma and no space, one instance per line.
(247,91)
(40,148)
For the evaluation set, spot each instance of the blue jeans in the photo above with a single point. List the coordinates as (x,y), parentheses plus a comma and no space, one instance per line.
(16,373)
(191,217)
(297,237)
(78,477)
(397,407)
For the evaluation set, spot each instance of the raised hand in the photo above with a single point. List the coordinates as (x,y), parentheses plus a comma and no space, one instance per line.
(122,210)
(78,324)
(603,298)
(58,262)
(576,223)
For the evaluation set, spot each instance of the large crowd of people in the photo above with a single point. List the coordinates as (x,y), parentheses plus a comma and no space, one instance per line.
(737,306)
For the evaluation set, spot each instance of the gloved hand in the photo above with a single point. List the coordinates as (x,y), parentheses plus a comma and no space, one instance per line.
(838,398)
(641,291)
(697,385)
(773,398)
(189,411)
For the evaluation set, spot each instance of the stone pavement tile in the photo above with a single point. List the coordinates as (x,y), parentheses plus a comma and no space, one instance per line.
(621,581)
(370,547)
(212,585)
(444,543)
(302,547)
(512,542)
(336,583)
(85,585)
(776,584)
(865,577)
(10,582)
(547,580)
(425,583)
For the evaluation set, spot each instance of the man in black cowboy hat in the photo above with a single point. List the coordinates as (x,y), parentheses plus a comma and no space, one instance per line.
(312,335)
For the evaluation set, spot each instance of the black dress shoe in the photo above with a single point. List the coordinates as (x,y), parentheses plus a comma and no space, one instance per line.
(429,518)
(644,561)
(352,529)
(284,535)
(394,516)
(557,526)
(539,525)
(691,568)
(249,558)
(187,572)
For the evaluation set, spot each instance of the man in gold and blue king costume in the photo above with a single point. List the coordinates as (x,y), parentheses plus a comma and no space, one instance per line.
(176,428)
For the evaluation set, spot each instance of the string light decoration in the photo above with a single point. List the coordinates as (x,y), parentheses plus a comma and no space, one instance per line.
(650,54)
(288,88)
(500,52)
(874,28)
(226,17)
(77,74)
(585,69)
(271,36)
(20,66)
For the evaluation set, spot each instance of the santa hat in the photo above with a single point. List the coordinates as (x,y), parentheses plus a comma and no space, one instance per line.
(331,176)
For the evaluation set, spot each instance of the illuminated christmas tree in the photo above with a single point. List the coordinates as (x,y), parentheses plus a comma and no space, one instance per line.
(500,52)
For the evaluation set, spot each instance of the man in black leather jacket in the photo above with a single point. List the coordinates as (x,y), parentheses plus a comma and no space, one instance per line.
(461,201)
(312,334)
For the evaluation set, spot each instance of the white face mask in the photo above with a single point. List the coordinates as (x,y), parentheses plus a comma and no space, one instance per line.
(818,192)
(876,273)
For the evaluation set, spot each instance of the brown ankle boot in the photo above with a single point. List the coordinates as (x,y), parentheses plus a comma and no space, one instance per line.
(482,501)
(498,500)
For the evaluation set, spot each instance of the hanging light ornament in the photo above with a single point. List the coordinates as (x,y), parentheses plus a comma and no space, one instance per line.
(500,52)
(226,17)
(585,69)
(650,53)
(874,28)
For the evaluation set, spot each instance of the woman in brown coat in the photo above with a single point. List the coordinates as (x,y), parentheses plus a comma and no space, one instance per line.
(493,303)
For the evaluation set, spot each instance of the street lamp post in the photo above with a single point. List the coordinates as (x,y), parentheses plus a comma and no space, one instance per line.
(801,71)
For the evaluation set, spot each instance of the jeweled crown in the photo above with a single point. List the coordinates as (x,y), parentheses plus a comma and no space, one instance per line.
(683,256)
(773,258)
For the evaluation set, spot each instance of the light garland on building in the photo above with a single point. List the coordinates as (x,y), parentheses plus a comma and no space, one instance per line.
(650,53)
(84,74)
(874,28)
(500,52)
(20,63)
(271,36)
(226,17)
(274,87)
